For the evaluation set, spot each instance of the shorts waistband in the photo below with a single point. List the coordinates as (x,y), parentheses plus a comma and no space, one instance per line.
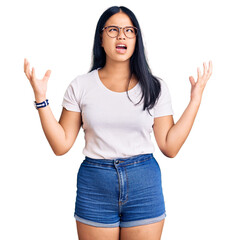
(128,160)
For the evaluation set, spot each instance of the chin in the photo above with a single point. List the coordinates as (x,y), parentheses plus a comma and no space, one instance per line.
(122,58)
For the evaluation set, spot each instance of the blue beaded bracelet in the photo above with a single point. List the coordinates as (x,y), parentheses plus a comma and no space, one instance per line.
(42,104)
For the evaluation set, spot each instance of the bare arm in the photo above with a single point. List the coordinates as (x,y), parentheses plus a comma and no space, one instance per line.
(60,135)
(170,136)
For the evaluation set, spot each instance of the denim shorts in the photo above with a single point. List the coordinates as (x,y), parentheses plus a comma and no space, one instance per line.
(121,192)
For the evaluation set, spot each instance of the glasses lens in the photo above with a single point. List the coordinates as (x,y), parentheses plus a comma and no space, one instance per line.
(112,31)
(130,32)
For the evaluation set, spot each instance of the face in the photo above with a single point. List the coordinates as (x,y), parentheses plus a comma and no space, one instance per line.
(110,44)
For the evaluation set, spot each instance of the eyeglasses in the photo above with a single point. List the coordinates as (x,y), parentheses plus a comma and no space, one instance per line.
(114,31)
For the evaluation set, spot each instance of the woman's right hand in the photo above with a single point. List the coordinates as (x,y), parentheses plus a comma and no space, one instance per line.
(39,86)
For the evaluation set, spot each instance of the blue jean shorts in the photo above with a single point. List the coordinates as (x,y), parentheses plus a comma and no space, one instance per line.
(121,192)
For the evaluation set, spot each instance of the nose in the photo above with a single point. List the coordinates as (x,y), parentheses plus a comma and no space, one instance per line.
(121,34)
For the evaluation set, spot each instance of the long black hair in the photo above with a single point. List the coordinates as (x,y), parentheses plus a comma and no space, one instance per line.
(150,84)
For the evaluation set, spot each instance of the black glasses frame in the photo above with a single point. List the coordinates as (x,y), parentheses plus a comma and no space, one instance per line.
(119,28)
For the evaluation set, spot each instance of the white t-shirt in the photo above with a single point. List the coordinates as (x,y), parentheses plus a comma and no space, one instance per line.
(113,126)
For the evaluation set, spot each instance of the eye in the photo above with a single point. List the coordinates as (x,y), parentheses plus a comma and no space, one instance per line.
(112,29)
(131,30)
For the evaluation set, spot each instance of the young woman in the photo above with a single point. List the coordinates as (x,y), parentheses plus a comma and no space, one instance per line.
(118,103)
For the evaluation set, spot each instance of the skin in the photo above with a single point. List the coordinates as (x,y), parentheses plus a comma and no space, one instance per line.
(115,75)
(116,72)
(171,136)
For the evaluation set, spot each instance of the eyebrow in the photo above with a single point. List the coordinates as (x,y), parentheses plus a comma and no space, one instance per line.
(113,25)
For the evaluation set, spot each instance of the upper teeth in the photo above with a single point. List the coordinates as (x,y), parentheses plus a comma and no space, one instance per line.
(121,45)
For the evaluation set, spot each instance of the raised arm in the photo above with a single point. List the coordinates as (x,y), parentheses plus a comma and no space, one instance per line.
(60,135)
(171,136)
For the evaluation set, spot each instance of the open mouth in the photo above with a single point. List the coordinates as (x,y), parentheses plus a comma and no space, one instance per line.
(121,46)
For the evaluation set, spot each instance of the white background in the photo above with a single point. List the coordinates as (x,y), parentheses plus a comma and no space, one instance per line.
(38,189)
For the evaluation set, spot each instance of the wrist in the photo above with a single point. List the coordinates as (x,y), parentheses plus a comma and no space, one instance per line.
(40,99)
(195,101)
(41,104)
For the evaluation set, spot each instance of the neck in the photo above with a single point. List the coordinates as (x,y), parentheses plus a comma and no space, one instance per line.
(120,71)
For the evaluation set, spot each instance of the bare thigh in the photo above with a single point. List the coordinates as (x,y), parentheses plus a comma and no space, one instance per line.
(87,232)
(151,231)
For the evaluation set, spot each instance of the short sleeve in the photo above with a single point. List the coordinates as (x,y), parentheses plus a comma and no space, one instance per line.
(163,106)
(71,97)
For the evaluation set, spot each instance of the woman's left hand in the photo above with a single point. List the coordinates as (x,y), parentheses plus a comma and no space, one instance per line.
(198,87)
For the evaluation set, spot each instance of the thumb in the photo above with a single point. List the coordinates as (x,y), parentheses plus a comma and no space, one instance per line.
(33,73)
(47,74)
(192,81)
